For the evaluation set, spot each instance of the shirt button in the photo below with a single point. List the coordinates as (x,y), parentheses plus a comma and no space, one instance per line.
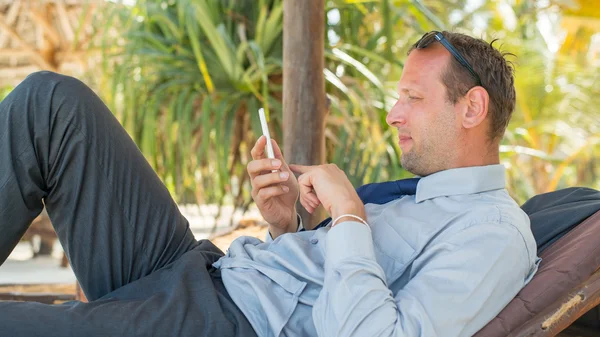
(314,241)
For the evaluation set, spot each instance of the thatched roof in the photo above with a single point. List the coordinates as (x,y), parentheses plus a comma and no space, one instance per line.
(44,34)
(66,2)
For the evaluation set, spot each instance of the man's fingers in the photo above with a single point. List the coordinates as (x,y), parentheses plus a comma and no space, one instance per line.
(308,193)
(276,149)
(258,151)
(279,155)
(256,167)
(304,200)
(272,191)
(313,199)
(306,206)
(265,180)
(300,168)
(308,198)
(310,201)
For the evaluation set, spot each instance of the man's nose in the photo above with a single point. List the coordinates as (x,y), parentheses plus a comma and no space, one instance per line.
(396,116)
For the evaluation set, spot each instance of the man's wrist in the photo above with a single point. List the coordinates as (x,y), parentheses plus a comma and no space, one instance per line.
(349,208)
(292,227)
(349,217)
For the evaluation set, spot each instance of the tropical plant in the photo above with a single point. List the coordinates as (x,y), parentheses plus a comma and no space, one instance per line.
(4,92)
(553,141)
(188,79)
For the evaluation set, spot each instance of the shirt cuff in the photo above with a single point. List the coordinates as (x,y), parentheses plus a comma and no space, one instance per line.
(349,239)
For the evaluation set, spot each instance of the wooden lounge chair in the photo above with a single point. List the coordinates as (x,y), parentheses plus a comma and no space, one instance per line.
(566,225)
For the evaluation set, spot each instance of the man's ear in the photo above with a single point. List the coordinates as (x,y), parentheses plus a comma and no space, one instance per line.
(477,101)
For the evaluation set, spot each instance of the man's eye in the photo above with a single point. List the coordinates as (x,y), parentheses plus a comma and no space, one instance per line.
(412,98)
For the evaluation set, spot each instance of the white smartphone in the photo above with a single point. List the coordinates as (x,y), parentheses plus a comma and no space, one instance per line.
(265,130)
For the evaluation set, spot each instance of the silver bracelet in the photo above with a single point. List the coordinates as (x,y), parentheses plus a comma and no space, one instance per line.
(334,222)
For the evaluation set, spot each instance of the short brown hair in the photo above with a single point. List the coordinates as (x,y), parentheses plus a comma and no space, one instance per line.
(495,72)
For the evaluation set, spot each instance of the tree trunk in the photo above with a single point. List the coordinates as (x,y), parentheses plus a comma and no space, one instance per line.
(304,88)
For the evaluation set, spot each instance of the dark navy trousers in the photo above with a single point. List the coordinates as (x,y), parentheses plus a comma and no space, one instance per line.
(132,251)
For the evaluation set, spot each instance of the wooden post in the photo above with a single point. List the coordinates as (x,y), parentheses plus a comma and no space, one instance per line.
(304,87)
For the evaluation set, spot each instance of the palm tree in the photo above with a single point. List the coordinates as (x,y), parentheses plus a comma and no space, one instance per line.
(553,141)
(187,77)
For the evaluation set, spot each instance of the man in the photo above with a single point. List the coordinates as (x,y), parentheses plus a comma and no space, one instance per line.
(439,256)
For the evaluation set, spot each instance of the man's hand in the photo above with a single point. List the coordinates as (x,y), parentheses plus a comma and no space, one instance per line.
(275,193)
(329,186)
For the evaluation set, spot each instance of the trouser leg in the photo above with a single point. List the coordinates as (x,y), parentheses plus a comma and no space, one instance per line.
(129,246)
(184,298)
(115,219)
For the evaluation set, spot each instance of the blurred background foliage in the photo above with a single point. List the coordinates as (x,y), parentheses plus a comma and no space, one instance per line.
(186,78)
(4,91)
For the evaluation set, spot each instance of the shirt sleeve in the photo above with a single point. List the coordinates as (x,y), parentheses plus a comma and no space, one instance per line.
(269,238)
(456,285)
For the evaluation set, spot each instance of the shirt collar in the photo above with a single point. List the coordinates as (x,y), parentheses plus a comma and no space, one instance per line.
(464,180)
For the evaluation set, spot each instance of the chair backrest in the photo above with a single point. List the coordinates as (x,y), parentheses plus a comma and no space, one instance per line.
(554,214)
(560,292)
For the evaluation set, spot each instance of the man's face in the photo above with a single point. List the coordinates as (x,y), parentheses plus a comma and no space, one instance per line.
(428,127)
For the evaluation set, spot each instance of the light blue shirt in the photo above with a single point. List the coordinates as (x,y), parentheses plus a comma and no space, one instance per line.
(443,262)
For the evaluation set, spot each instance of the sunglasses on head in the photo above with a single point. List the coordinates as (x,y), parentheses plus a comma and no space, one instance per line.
(433,36)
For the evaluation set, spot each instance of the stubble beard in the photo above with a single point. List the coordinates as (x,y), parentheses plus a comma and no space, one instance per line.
(422,162)
(412,162)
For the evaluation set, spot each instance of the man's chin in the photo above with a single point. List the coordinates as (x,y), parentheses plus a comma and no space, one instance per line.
(411,164)
(407,163)
(418,170)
